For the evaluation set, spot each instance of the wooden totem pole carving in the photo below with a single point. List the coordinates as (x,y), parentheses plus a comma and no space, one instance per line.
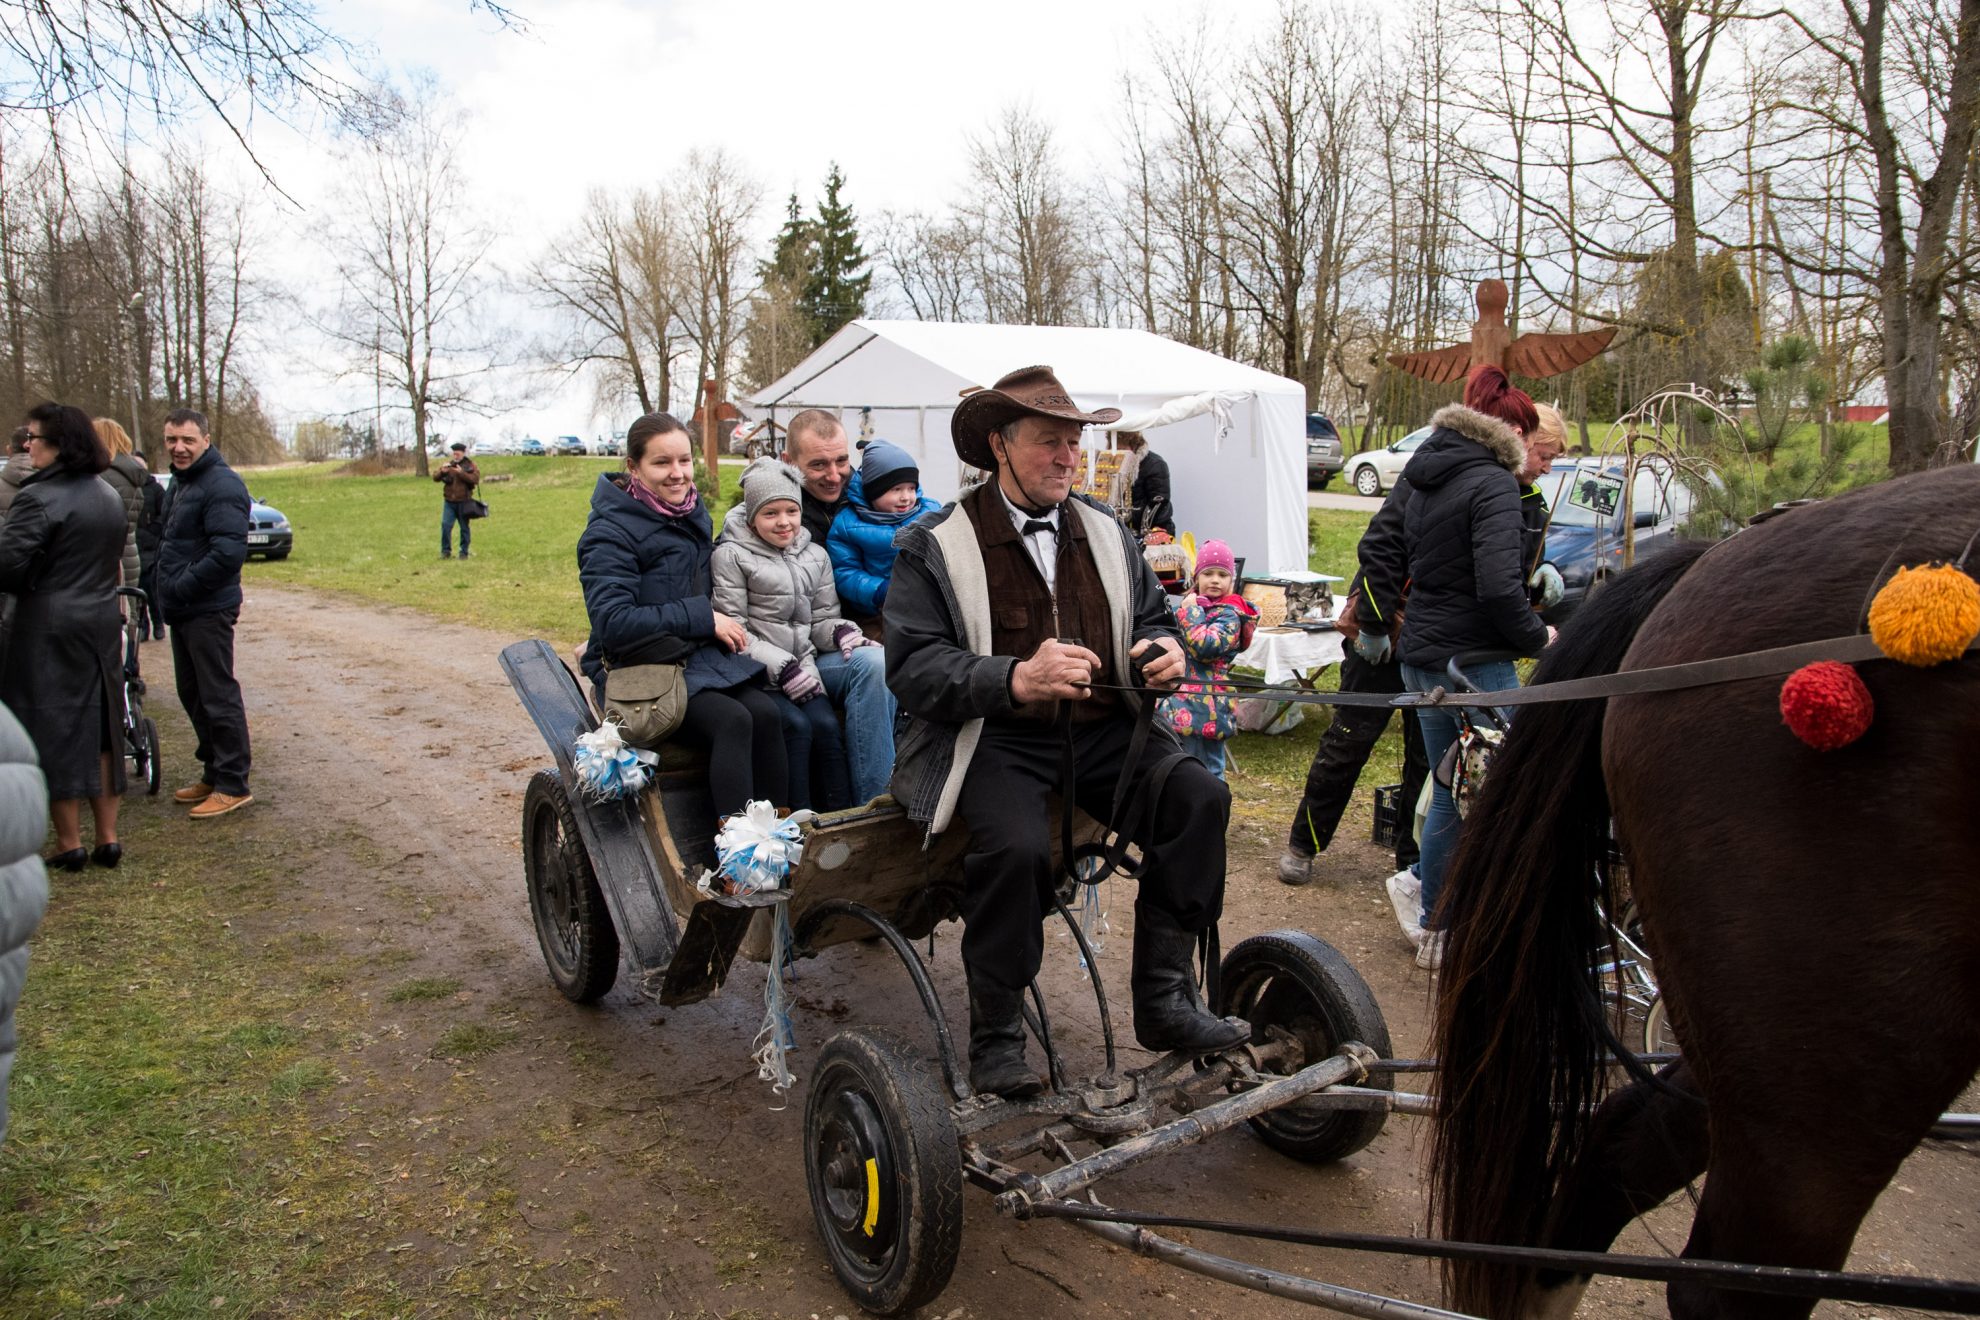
(1532,356)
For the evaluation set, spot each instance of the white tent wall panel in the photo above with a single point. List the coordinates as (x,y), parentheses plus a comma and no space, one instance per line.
(908,376)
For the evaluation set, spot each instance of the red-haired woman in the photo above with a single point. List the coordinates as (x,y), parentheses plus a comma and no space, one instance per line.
(1467,592)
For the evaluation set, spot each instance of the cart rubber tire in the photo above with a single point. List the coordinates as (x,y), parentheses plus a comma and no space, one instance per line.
(573,925)
(1303,985)
(148,736)
(884,1170)
(1367,480)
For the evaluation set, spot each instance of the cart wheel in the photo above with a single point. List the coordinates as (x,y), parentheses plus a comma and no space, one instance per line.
(1303,985)
(148,756)
(572,924)
(884,1171)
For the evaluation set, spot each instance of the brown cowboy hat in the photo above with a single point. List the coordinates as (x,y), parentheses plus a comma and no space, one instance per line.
(1026,392)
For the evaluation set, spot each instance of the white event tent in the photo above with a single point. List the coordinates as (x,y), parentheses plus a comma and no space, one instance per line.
(1234,436)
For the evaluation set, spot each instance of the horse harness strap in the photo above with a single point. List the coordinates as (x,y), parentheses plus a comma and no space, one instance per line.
(1136,800)
(1770,663)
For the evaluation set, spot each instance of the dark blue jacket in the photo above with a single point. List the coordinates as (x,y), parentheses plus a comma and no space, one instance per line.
(862,548)
(646,590)
(204,543)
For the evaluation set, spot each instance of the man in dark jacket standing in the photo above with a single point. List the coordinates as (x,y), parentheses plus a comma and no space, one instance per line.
(199,591)
(1013,616)
(460,476)
(1149,495)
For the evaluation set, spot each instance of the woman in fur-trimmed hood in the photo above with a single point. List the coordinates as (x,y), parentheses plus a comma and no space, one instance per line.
(1462,528)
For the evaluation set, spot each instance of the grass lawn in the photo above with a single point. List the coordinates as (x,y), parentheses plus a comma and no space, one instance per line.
(379,537)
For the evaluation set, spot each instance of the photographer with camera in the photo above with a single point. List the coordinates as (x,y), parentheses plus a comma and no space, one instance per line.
(459,479)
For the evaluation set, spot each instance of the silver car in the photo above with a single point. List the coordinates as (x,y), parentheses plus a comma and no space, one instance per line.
(1376,471)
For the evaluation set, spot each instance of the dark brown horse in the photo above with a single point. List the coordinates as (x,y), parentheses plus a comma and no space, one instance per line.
(1814,916)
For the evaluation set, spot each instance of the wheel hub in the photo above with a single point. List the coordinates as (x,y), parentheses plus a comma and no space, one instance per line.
(856,1172)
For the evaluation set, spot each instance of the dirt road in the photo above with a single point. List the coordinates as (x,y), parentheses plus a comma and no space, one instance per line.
(637,1141)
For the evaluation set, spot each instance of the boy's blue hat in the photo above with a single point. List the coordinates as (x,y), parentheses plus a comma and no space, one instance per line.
(882,466)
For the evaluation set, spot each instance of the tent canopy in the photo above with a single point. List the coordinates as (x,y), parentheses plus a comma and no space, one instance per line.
(1237,456)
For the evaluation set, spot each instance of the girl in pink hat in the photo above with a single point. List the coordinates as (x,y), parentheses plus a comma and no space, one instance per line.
(1216,624)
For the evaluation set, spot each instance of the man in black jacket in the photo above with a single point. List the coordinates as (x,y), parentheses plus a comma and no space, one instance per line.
(1369,665)
(1014,618)
(1149,496)
(199,591)
(815,444)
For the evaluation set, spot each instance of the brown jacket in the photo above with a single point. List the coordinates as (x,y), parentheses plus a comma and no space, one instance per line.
(461,477)
(1023,613)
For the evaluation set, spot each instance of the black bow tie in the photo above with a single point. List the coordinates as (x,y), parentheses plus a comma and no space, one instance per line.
(1039,525)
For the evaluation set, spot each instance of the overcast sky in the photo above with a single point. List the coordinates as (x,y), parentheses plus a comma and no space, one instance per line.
(610,92)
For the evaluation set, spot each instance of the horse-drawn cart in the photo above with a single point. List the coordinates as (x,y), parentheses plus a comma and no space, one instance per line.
(891,1127)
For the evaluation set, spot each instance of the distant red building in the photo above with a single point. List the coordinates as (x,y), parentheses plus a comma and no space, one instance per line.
(1876,414)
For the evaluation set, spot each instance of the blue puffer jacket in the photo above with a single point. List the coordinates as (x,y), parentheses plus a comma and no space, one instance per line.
(204,542)
(862,550)
(646,590)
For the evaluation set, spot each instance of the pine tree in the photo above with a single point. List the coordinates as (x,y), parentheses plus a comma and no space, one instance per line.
(834,292)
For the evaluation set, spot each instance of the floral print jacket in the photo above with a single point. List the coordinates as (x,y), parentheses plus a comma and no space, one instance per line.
(1213,631)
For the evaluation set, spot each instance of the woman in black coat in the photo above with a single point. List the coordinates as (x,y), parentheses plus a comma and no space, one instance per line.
(644,563)
(60,671)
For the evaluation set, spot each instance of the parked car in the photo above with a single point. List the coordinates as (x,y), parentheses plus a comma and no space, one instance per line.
(531,445)
(1323,450)
(612,444)
(1585,538)
(570,446)
(1375,471)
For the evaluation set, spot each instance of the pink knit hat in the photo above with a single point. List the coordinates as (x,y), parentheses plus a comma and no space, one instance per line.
(1215,554)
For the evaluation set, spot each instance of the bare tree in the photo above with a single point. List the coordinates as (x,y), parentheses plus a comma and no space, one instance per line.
(717,202)
(1908,74)
(614,278)
(1031,250)
(411,262)
(931,264)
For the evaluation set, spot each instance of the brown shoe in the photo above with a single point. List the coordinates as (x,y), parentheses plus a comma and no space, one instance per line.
(219,804)
(193,793)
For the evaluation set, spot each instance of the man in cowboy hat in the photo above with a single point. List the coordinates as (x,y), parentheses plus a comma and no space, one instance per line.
(1013,618)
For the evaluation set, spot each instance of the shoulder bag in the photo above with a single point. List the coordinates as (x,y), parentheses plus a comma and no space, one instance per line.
(648,701)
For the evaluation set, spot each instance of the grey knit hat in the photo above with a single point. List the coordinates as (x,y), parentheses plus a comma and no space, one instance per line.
(768,480)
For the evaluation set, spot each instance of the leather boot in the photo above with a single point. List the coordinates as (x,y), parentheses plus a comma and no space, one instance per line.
(996,1044)
(1168,1015)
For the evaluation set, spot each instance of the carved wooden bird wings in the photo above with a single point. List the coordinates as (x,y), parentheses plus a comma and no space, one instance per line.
(1533,356)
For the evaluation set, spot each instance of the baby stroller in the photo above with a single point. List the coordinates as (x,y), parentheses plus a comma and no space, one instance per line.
(140,734)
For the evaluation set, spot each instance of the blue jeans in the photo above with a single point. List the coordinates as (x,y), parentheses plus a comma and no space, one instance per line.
(1440,730)
(815,753)
(451,512)
(859,688)
(1210,751)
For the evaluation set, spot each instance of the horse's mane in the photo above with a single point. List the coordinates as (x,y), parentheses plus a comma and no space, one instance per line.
(1519,911)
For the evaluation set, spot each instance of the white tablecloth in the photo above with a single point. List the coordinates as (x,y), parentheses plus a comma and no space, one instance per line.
(1285,654)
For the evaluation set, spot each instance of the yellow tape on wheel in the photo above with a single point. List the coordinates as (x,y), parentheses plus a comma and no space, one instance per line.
(872,1197)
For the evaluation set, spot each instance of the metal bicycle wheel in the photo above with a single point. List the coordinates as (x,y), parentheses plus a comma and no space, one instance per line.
(1302,985)
(884,1171)
(147,758)
(573,926)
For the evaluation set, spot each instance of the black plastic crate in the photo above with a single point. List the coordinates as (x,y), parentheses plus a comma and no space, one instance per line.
(1388,815)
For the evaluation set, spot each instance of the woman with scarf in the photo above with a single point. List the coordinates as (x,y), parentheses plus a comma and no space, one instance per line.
(644,563)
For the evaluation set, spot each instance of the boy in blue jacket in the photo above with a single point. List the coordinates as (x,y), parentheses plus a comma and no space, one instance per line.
(882,497)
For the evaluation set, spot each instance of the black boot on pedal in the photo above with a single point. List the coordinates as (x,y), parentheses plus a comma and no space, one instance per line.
(996,1045)
(1168,1015)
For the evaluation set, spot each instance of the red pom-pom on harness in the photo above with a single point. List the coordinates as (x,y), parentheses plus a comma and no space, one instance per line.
(1826,705)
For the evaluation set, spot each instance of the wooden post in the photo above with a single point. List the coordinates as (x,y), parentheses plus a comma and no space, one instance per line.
(709,458)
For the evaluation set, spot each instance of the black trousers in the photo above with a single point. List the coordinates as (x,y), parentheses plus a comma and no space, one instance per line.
(1344,750)
(154,622)
(744,735)
(203,662)
(1007,875)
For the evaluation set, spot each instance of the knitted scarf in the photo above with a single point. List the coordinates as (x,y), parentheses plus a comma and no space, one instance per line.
(639,491)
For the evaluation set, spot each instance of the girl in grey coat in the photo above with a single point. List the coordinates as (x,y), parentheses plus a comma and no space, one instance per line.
(769,574)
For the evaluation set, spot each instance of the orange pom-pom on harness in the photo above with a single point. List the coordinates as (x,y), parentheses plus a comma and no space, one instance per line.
(1927,615)
(1826,705)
